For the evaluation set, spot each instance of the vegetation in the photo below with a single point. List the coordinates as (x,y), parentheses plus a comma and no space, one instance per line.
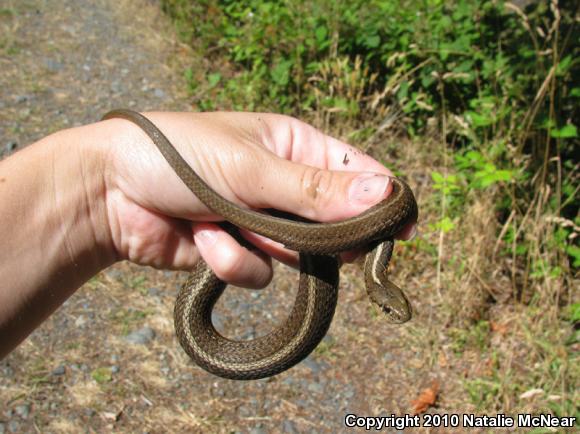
(492,89)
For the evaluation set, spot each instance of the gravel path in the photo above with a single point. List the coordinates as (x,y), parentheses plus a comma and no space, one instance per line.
(108,359)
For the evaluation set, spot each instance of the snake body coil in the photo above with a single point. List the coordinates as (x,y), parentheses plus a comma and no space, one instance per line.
(316,299)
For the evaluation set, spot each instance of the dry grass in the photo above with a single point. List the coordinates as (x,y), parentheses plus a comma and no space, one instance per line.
(483,314)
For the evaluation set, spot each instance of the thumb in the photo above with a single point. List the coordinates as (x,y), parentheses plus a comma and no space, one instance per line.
(317,194)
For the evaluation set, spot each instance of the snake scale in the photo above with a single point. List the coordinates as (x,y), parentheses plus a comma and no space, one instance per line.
(318,245)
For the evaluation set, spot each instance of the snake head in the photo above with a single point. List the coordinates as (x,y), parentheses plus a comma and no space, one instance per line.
(392,301)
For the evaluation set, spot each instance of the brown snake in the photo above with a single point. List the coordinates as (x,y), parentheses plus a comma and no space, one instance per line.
(315,303)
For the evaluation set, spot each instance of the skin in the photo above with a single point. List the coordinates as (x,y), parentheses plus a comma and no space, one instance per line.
(82,199)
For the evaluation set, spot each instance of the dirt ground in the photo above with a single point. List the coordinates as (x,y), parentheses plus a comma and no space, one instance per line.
(108,360)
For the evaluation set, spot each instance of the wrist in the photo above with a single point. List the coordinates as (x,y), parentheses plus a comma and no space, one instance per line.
(53,231)
(80,170)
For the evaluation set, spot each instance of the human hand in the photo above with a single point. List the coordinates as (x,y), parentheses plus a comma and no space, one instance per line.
(255,160)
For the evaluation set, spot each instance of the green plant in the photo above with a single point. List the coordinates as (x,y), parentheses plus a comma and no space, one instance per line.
(101,375)
(494,88)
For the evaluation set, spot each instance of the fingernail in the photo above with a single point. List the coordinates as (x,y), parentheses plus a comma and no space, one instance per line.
(368,189)
(207,237)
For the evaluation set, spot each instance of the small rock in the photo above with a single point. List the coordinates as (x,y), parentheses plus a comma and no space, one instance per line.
(388,358)
(115,369)
(116,86)
(302,403)
(188,376)
(313,365)
(289,427)
(59,370)
(80,321)
(89,412)
(159,93)
(315,387)
(52,65)
(11,146)
(217,320)
(23,411)
(114,274)
(142,336)
(248,335)
(329,339)
(154,292)
(244,411)
(22,98)
(13,426)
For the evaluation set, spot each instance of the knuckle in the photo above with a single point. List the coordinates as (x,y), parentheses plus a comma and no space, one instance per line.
(316,184)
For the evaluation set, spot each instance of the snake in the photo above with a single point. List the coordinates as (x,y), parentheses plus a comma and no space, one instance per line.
(318,245)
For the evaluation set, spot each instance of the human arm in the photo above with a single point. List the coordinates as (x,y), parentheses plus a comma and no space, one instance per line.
(101,193)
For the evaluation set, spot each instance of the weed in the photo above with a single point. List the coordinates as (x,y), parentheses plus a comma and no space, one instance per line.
(102,375)
(128,317)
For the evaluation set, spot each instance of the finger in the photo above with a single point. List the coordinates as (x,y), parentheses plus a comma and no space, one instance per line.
(301,143)
(319,186)
(316,194)
(231,262)
(273,249)
(408,233)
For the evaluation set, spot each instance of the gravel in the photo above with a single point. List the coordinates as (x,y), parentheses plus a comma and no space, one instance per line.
(10,146)
(289,427)
(23,411)
(141,337)
(59,370)
(82,58)
(154,291)
(14,426)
